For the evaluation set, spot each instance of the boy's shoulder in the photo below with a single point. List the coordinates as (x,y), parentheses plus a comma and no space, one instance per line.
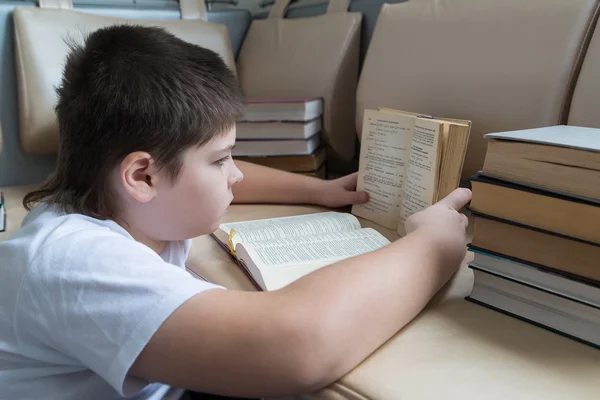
(54,248)
(46,224)
(48,234)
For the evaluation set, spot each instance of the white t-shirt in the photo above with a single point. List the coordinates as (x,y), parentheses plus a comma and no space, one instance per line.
(79,300)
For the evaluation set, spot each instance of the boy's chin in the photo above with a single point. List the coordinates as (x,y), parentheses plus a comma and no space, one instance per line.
(215,225)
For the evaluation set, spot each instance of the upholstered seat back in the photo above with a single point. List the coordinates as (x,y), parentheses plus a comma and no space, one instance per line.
(504,65)
(41,49)
(313,56)
(585,105)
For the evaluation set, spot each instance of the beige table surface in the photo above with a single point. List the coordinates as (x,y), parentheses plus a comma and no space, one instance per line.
(453,350)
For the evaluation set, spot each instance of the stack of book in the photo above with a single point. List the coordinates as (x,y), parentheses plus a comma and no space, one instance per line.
(283,133)
(536,242)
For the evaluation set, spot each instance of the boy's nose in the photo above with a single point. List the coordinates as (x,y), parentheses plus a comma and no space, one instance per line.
(236,175)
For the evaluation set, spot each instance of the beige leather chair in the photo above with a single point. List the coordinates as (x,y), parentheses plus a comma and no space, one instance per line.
(316,56)
(40,53)
(40,62)
(504,65)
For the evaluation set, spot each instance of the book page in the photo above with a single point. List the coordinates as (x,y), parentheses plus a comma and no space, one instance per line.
(422,171)
(386,138)
(325,248)
(285,227)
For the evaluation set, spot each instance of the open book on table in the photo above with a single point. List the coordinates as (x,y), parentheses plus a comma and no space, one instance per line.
(407,162)
(274,252)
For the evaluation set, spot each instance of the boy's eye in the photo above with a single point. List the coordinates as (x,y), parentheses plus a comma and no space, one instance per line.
(222,161)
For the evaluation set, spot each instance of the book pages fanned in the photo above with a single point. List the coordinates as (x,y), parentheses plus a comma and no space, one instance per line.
(384,152)
(406,161)
(422,171)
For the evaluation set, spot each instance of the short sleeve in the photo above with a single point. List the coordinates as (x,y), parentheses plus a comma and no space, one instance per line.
(95,299)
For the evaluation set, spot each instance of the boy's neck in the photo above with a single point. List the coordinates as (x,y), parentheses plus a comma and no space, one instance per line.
(155,245)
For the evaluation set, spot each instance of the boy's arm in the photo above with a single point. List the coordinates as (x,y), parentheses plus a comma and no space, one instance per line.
(268,185)
(312,332)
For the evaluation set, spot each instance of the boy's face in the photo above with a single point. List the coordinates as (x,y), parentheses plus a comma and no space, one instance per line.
(194,204)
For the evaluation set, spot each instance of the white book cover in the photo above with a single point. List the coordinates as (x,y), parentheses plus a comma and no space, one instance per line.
(278,129)
(576,137)
(283,109)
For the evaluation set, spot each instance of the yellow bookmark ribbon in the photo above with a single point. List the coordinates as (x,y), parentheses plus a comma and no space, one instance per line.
(232,233)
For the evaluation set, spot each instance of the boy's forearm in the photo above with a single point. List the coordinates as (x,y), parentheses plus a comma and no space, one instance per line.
(302,337)
(268,185)
(359,303)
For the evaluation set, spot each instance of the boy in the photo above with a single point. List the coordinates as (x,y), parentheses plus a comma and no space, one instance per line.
(95,302)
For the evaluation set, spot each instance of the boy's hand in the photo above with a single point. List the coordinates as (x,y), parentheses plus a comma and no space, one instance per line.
(444,225)
(340,192)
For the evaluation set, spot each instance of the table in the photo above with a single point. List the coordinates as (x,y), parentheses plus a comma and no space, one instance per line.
(453,350)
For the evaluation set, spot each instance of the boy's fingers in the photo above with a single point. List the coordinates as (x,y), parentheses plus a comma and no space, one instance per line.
(457,199)
(356,197)
(349,181)
(465,220)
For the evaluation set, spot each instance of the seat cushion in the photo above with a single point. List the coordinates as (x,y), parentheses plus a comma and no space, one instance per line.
(15,212)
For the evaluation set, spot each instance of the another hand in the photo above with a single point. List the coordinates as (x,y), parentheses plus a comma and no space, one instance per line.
(340,192)
(444,225)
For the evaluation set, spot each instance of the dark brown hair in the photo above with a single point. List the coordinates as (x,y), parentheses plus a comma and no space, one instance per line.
(133,88)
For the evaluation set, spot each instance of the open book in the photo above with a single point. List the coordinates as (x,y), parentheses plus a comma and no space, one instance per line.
(274,252)
(407,162)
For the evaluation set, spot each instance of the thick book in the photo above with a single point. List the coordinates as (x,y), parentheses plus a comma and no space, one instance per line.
(276,147)
(302,163)
(283,109)
(557,314)
(542,278)
(533,245)
(278,129)
(407,162)
(549,211)
(562,159)
(274,252)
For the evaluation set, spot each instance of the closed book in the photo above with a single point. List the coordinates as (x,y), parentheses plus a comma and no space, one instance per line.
(558,252)
(301,163)
(552,281)
(276,147)
(562,159)
(283,109)
(549,211)
(278,129)
(557,314)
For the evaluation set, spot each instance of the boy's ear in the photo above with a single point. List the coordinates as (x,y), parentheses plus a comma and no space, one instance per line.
(139,175)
